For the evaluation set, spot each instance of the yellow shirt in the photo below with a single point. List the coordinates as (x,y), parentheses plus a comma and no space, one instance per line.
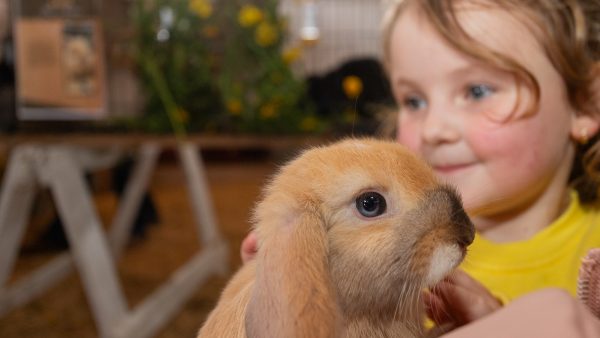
(551,258)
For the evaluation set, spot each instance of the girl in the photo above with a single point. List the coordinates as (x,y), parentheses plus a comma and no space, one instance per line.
(502,98)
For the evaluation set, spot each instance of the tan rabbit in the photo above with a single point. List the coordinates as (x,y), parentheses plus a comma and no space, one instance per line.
(349,235)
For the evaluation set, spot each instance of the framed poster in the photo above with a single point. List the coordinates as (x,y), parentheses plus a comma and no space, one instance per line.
(59,65)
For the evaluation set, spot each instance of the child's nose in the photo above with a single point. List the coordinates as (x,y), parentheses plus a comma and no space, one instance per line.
(441,125)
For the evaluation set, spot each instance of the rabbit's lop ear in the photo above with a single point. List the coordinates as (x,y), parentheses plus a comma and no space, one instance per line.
(293,294)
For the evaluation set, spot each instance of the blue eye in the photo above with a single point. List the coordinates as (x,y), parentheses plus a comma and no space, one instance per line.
(414,103)
(479,92)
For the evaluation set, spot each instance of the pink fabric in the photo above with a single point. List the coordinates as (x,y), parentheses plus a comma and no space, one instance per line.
(549,313)
(588,284)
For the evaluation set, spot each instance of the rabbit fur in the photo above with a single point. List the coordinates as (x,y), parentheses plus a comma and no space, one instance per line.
(323,269)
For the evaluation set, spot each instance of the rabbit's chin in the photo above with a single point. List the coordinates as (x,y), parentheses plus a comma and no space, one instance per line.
(444,259)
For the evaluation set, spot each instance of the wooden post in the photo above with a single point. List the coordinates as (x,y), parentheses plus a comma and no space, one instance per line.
(55,166)
(86,240)
(199,194)
(16,197)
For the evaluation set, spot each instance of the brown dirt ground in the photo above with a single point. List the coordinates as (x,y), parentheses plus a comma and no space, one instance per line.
(63,311)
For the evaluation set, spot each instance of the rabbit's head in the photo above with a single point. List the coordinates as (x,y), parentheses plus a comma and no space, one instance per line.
(372,216)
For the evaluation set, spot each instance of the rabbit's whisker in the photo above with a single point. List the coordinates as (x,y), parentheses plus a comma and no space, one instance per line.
(415,310)
(400,303)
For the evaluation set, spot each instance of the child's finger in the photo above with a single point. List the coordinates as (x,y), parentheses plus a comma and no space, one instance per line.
(464,303)
(462,279)
(436,309)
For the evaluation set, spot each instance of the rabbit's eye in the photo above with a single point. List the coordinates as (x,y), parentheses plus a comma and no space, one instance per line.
(370,204)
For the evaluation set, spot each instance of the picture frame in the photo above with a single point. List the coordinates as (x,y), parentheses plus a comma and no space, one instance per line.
(59,62)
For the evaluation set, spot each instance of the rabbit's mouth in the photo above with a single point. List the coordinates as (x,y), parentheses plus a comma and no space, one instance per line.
(447,233)
(444,259)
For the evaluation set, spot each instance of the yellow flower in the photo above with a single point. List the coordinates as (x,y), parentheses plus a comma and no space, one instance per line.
(268,111)
(234,106)
(250,15)
(210,31)
(266,34)
(291,54)
(352,86)
(309,123)
(203,8)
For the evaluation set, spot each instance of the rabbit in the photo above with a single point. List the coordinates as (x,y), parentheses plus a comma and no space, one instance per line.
(348,234)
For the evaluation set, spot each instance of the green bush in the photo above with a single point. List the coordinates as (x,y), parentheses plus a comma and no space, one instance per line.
(218,68)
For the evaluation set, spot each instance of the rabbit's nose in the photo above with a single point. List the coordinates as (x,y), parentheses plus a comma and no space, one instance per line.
(465,230)
(447,202)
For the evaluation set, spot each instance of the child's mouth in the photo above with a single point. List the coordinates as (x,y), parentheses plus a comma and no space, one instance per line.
(447,169)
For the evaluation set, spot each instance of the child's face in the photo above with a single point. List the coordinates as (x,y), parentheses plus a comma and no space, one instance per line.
(470,120)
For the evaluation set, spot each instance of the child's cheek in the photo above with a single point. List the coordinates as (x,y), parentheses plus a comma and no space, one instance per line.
(409,134)
(492,140)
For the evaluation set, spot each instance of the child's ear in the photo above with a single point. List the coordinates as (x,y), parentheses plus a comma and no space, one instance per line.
(585,126)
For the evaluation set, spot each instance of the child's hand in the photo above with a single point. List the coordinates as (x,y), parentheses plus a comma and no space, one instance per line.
(249,247)
(459,299)
(547,313)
